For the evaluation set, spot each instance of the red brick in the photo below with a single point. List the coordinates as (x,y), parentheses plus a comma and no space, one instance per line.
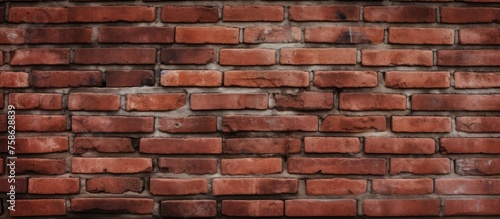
(401,207)
(304,101)
(331,145)
(57,79)
(40,166)
(417,79)
(253,13)
(477,166)
(479,36)
(3,123)
(339,166)
(420,166)
(159,186)
(83,145)
(457,186)
(155,102)
(111,14)
(422,186)
(399,145)
(40,56)
(41,101)
(247,57)
(211,34)
(477,206)
(111,165)
(189,208)
(323,13)
(113,205)
(469,145)
(341,79)
(21,185)
(39,207)
(254,186)
(12,36)
(400,14)
(192,124)
(342,186)
(226,101)
(114,185)
(10,79)
(262,145)
(421,124)
(2,101)
(129,78)
(191,78)
(106,56)
(54,186)
(272,34)
(252,208)
(478,124)
(189,14)
(408,57)
(266,79)
(185,55)
(40,123)
(196,166)
(425,36)
(181,145)
(353,124)
(269,123)
(320,207)
(318,56)
(251,166)
(41,15)
(374,101)
(482,57)
(38,145)
(136,35)
(463,15)
(107,124)
(94,102)
(349,35)
(477,80)
(455,102)
(58,35)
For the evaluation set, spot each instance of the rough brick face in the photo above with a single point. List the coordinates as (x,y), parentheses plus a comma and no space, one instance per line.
(235,109)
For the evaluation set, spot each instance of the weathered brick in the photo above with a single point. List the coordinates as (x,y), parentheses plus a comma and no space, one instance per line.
(401,207)
(83,145)
(14,79)
(353,124)
(469,145)
(455,102)
(189,14)
(181,145)
(421,124)
(54,186)
(58,35)
(426,36)
(39,207)
(186,55)
(111,14)
(31,101)
(192,186)
(123,124)
(345,79)
(403,186)
(463,15)
(320,207)
(40,56)
(247,57)
(113,205)
(482,57)
(339,166)
(136,35)
(37,145)
(465,80)
(227,101)
(252,208)
(191,78)
(399,14)
(106,56)
(59,79)
(272,34)
(212,34)
(253,13)
(304,101)
(318,56)
(342,186)
(114,185)
(349,35)
(188,165)
(111,165)
(331,145)
(323,13)
(458,186)
(478,124)
(155,102)
(129,78)
(266,79)
(189,208)
(420,166)
(269,123)
(477,206)
(40,123)
(394,57)
(254,186)
(251,166)
(374,101)
(420,79)
(94,102)
(262,145)
(399,145)
(40,166)
(42,15)
(192,124)
(478,36)
(12,36)
(477,166)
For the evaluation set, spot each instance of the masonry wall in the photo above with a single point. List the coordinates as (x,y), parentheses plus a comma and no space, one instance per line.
(251,108)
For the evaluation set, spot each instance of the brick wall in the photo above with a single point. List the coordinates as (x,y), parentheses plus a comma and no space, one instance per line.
(252,108)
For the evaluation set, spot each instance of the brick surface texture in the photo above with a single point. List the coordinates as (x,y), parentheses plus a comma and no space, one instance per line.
(231,109)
